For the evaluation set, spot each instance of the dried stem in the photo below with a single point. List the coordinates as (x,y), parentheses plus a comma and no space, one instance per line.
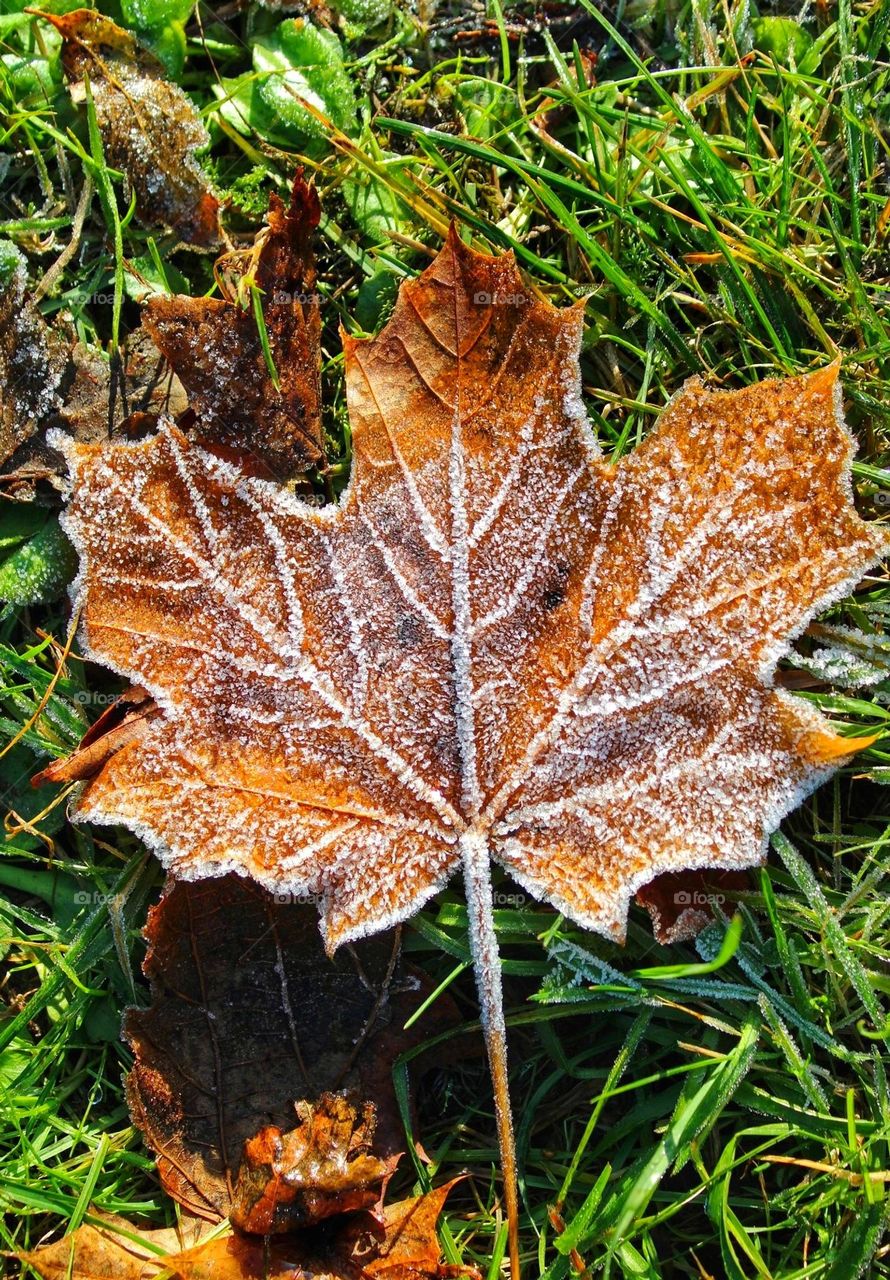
(484,946)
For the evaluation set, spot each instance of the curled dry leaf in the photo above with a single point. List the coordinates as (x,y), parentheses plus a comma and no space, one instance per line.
(494,645)
(323,1167)
(403,1246)
(150,129)
(214,346)
(126,718)
(263,1071)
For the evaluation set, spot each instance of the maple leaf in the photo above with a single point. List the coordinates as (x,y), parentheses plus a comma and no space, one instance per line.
(496,645)
(150,129)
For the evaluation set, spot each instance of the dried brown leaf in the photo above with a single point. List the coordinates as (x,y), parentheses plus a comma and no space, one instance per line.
(32,361)
(91,399)
(126,718)
(682,903)
(111,1248)
(214,346)
(263,1072)
(323,1167)
(150,128)
(403,1246)
(98,399)
(495,645)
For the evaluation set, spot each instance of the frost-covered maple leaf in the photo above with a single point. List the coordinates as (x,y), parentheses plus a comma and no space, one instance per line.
(495,645)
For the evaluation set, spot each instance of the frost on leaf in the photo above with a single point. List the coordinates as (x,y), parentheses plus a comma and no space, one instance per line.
(75,387)
(214,346)
(496,642)
(150,129)
(32,359)
(495,645)
(263,1068)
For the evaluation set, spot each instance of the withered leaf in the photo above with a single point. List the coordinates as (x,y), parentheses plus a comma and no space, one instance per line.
(91,398)
(214,346)
(32,359)
(495,645)
(126,718)
(113,1249)
(99,397)
(150,129)
(94,398)
(323,1167)
(404,1246)
(682,903)
(263,1072)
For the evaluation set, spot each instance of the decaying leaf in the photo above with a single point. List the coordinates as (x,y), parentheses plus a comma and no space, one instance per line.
(263,1071)
(98,398)
(682,903)
(111,1248)
(126,718)
(32,359)
(404,1246)
(88,396)
(214,346)
(495,644)
(150,128)
(323,1167)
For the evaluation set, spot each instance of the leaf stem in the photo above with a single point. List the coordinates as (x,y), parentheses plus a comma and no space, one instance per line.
(486,960)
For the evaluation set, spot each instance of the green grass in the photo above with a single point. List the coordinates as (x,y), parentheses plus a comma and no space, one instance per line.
(722,217)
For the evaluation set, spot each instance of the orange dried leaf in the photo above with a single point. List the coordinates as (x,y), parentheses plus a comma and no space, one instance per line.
(496,645)
(126,718)
(323,1167)
(403,1246)
(110,1248)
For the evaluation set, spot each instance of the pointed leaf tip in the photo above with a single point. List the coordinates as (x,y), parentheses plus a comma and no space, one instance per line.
(821,383)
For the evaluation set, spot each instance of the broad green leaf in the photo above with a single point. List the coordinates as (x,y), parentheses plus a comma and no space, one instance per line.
(301,72)
(39,570)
